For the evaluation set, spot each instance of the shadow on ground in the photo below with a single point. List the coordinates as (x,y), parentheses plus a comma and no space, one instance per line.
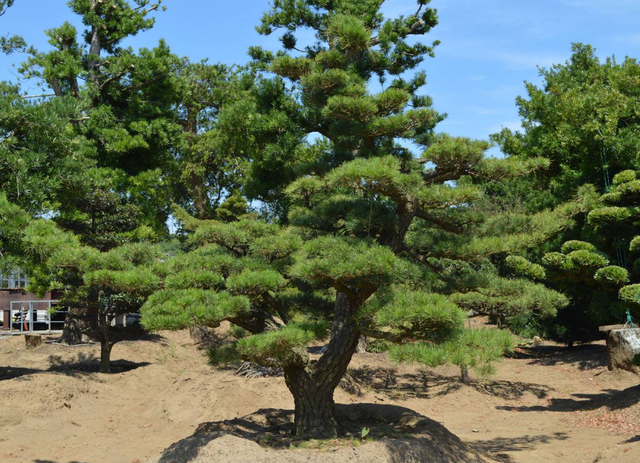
(516,444)
(79,365)
(407,435)
(425,384)
(89,363)
(583,357)
(612,399)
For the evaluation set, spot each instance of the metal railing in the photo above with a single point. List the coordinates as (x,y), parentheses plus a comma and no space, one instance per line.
(28,319)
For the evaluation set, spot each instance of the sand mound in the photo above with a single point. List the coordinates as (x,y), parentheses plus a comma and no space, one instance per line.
(397,434)
(625,452)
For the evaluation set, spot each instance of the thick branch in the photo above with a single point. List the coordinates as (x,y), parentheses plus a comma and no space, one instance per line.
(370,333)
(447,226)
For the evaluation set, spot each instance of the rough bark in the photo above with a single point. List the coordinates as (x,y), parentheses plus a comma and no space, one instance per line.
(361,348)
(95,47)
(464,375)
(312,386)
(105,357)
(72,329)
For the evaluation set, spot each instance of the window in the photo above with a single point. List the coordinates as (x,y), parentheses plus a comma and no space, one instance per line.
(15,279)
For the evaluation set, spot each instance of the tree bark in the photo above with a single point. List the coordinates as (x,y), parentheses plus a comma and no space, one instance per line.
(313,385)
(464,375)
(95,47)
(72,329)
(105,357)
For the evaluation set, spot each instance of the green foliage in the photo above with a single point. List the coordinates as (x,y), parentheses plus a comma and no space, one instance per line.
(612,275)
(202,279)
(283,345)
(419,315)
(343,261)
(179,309)
(477,348)
(583,118)
(575,245)
(139,283)
(503,298)
(523,268)
(630,293)
(251,282)
(624,177)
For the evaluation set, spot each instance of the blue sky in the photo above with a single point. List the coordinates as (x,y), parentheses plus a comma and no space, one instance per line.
(489,48)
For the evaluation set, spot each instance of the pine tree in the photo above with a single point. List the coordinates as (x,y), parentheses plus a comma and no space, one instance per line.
(370,224)
(101,287)
(595,273)
(116,108)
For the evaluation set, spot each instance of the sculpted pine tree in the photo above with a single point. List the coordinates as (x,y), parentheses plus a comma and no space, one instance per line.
(595,274)
(616,230)
(369,221)
(102,287)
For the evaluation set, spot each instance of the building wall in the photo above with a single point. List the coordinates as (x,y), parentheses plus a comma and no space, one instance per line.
(9,295)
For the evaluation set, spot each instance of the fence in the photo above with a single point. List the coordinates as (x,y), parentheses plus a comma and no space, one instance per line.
(27,318)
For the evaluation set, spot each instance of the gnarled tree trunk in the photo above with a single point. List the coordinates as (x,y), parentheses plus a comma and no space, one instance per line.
(313,385)
(72,329)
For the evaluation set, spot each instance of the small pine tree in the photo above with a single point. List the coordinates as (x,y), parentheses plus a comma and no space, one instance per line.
(101,287)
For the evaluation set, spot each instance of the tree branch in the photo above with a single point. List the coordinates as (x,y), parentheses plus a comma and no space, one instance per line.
(413,30)
(438,221)
(370,333)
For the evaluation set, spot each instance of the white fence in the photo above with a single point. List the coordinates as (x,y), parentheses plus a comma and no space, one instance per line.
(40,316)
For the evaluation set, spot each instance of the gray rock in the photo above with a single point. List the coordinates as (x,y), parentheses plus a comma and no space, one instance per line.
(622,346)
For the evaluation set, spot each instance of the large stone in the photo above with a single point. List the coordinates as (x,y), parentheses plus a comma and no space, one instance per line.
(622,346)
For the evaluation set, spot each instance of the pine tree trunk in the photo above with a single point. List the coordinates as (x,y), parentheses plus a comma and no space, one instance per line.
(313,385)
(105,357)
(464,375)
(314,407)
(362,345)
(72,331)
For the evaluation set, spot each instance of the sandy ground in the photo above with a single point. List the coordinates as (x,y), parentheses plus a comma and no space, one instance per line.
(548,405)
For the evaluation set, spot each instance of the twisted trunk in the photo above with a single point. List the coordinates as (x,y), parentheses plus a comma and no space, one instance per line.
(312,386)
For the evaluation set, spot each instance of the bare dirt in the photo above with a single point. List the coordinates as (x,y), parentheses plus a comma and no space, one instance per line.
(165,404)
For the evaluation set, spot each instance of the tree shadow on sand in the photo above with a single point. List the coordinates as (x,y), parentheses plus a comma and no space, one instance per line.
(583,357)
(10,372)
(79,365)
(425,384)
(89,363)
(496,447)
(407,435)
(612,399)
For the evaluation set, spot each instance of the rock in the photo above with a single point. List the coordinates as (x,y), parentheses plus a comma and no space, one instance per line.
(622,346)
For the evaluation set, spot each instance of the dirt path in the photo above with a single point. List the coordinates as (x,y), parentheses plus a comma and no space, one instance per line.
(543,408)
